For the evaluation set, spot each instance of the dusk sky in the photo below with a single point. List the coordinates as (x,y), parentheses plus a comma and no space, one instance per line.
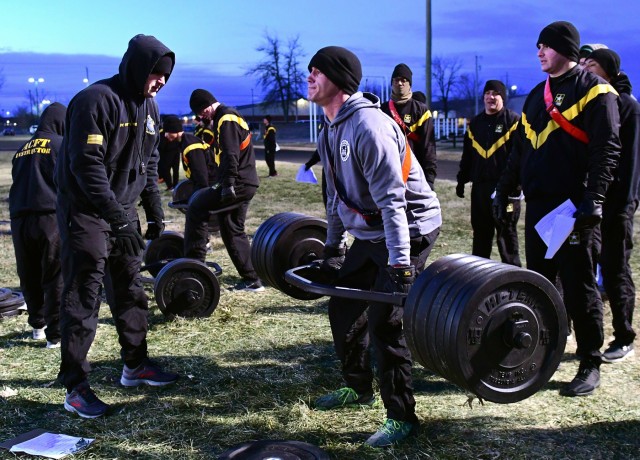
(215,41)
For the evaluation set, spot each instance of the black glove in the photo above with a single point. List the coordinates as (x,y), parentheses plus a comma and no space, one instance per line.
(227,194)
(154,230)
(513,209)
(460,190)
(128,239)
(307,166)
(589,213)
(499,208)
(333,260)
(402,278)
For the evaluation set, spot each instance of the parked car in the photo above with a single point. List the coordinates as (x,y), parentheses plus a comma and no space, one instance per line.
(8,132)
(33,129)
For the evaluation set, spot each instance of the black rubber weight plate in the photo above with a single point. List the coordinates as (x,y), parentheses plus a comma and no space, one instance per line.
(5,293)
(284,450)
(8,314)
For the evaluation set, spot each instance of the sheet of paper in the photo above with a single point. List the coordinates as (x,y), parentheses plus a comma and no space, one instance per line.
(52,445)
(306,176)
(555,227)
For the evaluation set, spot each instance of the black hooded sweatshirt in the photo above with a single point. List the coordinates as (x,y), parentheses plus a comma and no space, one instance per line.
(623,193)
(33,189)
(110,152)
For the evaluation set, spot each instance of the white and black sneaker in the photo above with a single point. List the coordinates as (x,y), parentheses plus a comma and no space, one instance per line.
(617,352)
(249,285)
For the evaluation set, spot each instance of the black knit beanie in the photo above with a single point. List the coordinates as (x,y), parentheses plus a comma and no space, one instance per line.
(201,99)
(563,37)
(497,86)
(402,71)
(608,60)
(340,66)
(172,124)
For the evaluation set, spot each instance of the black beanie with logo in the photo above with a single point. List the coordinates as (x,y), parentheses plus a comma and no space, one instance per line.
(497,86)
(563,37)
(201,99)
(172,124)
(340,66)
(608,60)
(402,71)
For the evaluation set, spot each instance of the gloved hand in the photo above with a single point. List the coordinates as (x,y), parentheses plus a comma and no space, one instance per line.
(513,209)
(307,166)
(333,260)
(128,239)
(402,277)
(499,208)
(227,194)
(153,230)
(589,213)
(460,190)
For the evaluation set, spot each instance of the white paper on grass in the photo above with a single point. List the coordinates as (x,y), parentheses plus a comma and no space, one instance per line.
(555,227)
(306,176)
(52,445)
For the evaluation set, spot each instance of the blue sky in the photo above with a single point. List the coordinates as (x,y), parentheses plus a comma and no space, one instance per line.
(215,41)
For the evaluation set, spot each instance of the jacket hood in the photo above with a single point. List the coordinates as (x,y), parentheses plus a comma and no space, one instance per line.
(52,119)
(621,83)
(142,55)
(357,101)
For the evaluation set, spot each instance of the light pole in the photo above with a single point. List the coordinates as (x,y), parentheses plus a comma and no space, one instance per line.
(35,81)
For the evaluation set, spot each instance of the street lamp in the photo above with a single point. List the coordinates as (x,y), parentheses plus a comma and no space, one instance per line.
(35,81)
(513,88)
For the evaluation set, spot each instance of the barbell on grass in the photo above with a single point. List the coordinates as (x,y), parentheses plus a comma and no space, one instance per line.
(496,330)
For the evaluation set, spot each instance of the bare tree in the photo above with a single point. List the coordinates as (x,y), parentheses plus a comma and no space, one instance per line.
(446,77)
(279,74)
(466,91)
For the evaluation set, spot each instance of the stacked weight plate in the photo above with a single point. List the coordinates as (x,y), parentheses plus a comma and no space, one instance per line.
(11,303)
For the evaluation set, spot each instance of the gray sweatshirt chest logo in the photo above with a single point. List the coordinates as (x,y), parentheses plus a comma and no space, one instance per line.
(345,150)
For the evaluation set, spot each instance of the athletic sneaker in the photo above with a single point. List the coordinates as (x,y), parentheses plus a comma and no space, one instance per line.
(38,334)
(343,397)
(391,432)
(146,373)
(584,383)
(84,402)
(249,285)
(617,352)
(53,344)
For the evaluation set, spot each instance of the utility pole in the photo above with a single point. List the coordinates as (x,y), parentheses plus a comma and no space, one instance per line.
(476,86)
(428,57)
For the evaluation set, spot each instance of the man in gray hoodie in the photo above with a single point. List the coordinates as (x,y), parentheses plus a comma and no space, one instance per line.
(377,192)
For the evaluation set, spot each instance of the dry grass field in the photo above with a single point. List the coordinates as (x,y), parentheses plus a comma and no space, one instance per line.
(250,370)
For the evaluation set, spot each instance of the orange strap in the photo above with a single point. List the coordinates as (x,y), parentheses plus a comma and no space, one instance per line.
(406,163)
(245,143)
(560,119)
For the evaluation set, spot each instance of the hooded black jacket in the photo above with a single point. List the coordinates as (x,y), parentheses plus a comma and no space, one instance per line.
(623,191)
(33,188)
(549,163)
(110,152)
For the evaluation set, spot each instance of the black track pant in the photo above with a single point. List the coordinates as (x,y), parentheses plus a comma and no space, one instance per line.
(617,244)
(36,242)
(270,159)
(196,230)
(574,266)
(485,227)
(88,261)
(355,322)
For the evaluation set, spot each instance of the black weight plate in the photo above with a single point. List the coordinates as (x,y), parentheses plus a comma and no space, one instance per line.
(495,369)
(262,248)
(15,299)
(5,293)
(274,450)
(167,247)
(187,288)
(10,313)
(182,191)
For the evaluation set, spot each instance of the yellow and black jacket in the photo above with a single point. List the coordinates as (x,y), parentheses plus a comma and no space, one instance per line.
(417,118)
(486,148)
(548,162)
(270,138)
(198,161)
(204,132)
(234,149)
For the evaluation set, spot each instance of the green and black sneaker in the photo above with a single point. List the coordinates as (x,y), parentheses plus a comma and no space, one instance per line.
(391,432)
(344,397)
